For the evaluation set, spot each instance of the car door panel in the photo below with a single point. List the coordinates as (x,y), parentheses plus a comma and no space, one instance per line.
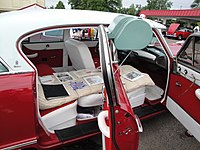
(95,56)
(18,123)
(188,122)
(183,101)
(48,53)
(182,91)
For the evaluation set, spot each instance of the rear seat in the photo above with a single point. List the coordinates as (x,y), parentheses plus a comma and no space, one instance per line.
(58,113)
(89,96)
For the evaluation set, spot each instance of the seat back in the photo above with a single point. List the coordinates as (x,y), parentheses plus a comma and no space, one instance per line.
(79,55)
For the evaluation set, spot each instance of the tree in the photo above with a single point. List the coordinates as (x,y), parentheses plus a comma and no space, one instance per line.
(195,4)
(100,5)
(158,4)
(60,5)
(130,11)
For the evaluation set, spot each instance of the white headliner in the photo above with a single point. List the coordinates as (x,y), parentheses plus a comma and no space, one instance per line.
(17,23)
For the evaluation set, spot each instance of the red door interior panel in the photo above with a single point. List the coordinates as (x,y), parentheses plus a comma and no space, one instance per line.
(52,57)
(95,56)
(182,91)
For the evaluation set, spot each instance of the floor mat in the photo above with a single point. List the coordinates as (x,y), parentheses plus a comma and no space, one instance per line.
(153,92)
(77,131)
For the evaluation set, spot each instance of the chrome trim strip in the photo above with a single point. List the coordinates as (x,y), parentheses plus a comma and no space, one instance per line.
(15,72)
(165,47)
(20,145)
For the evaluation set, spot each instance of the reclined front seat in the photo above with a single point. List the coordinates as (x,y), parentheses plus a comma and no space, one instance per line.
(79,55)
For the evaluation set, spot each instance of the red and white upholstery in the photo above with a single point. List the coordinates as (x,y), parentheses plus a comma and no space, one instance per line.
(61,112)
(58,113)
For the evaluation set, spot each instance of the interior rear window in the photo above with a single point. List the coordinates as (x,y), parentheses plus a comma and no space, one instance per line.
(48,36)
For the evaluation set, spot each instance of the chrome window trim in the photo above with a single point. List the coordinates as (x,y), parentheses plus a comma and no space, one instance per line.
(5,65)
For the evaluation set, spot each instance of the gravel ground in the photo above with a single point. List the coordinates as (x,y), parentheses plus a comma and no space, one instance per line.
(164,132)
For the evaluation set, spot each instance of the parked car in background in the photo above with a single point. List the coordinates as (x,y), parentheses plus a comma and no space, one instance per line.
(164,31)
(176,32)
(183,33)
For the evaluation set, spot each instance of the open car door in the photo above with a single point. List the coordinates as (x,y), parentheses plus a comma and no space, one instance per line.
(184,92)
(119,126)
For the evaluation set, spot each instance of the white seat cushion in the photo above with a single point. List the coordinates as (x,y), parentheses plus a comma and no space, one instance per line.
(90,100)
(61,118)
(142,81)
(79,54)
(46,104)
(136,97)
(90,95)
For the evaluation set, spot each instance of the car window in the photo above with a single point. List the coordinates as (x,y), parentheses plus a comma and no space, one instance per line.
(186,55)
(48,36)
(3,68)
(197,53)
(54,33)
(86,34)
(154,43)
(191,54)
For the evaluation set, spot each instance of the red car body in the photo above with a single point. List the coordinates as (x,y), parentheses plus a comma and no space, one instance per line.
(180,34)
(25,123)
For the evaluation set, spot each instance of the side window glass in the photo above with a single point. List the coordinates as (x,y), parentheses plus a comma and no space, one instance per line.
(3,68)
(187,54)
(197,53)
(54,33)
(191,55)
(48,36)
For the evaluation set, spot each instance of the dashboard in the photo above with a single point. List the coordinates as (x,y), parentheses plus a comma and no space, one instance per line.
(151,54)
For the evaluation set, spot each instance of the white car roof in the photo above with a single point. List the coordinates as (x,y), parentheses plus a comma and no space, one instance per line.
(17,23)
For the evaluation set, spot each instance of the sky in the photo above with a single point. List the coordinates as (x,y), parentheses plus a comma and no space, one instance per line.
(177,4)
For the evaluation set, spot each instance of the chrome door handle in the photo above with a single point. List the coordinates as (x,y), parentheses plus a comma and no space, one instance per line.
(178,84)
